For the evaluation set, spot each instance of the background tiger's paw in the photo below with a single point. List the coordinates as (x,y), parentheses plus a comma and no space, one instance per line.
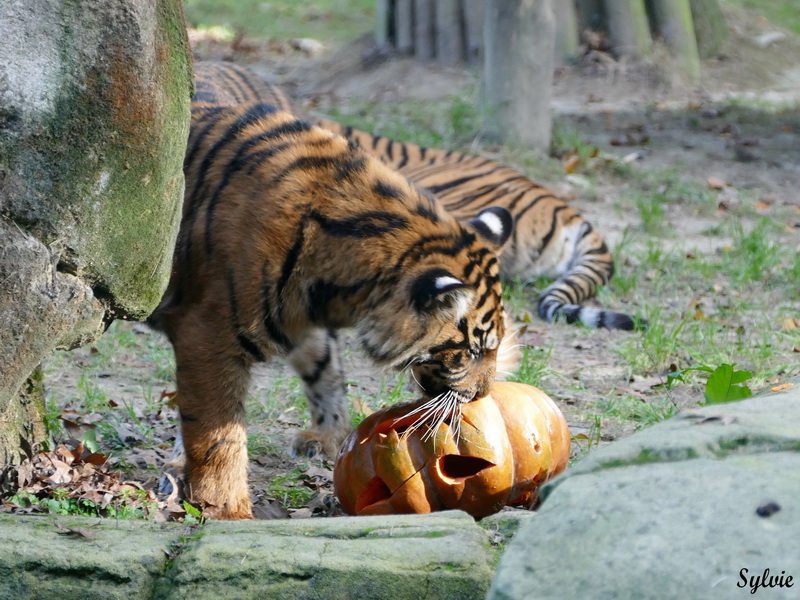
(311,444)
(173,472)
(172,482)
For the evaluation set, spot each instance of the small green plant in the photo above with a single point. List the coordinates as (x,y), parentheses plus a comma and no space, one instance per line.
(52,421)
(393,390)
(259,444)
(330,21)
(566,140)
(194,515)
(724,383)
(464,118)
(132,505)
(89,439)
(656,347)
(727,385)
(518,298)
(583,442)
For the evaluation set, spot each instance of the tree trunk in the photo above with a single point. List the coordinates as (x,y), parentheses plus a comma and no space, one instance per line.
(403,22)
(449,39)
(590,15)
(673,19)
(518,71)
(567,40)
(474,11)
(383,21)
(424,38)
(628,28)
(710,27)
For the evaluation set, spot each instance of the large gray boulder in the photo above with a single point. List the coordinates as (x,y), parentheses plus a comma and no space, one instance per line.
(94,115)
(700,506)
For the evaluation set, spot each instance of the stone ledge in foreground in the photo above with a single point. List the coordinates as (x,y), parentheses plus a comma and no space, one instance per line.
(438,556)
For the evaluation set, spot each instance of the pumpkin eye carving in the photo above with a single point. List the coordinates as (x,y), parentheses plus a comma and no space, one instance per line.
(500,451)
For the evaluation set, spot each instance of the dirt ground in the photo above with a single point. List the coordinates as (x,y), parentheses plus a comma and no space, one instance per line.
(606,102)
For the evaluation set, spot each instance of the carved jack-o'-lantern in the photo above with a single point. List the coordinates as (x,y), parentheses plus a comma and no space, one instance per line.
(501,450)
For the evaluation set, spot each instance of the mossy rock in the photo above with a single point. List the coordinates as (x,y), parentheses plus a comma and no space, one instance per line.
(94,116)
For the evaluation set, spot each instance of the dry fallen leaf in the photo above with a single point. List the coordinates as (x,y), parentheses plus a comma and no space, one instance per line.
(790,324)
(360,405)
(779,388)
(571,163)
(74,531)
(75,475)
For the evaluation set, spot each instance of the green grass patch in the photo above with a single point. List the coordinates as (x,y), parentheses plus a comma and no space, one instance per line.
(629,408)
(783,14)
(533,366)
(451,124)
(329,21)
(288,488)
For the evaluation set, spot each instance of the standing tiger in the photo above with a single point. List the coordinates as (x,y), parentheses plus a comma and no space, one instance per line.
(289,232)
(550,239)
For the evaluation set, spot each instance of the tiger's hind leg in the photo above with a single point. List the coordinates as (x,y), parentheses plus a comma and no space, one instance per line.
(318,362)
(212,375)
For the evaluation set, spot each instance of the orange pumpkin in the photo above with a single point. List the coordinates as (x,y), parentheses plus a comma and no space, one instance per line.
(503,448)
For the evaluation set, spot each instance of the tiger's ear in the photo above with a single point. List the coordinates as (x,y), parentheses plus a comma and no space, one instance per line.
(438,292)
(493,224)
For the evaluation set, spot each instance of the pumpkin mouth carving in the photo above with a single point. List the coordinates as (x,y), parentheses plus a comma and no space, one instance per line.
(455,468)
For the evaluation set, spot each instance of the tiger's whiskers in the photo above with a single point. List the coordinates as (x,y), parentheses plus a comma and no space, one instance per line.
(445,407)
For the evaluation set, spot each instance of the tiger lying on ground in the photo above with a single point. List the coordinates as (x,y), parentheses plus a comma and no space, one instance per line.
(550,239)
(288,232)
